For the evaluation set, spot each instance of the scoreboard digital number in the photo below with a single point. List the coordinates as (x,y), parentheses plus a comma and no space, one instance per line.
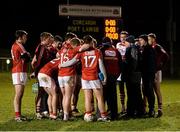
(110,28)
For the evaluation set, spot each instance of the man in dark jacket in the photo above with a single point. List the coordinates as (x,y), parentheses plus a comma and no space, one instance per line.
(133,79)
(148,72)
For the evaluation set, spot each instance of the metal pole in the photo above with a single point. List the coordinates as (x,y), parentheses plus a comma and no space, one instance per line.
(67,4)
(170,24)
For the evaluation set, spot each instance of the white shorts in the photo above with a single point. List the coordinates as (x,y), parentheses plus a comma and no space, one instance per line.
(91,84)
(158,76)
(46,81)
(19,78)
(66,80)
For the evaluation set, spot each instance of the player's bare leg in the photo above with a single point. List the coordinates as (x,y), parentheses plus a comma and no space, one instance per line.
(122,96)
(38,104)
(88,98)
(75,95)
(52,102)
(159,97)
(67,101)
(19,91)
(49,100)
(59,101)
(99,96)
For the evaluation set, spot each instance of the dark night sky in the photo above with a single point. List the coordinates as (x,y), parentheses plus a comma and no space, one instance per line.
(139,16)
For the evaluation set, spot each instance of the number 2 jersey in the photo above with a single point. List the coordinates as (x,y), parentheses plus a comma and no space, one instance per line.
(51,68)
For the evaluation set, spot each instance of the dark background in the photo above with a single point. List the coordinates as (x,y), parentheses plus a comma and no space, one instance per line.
(138,16)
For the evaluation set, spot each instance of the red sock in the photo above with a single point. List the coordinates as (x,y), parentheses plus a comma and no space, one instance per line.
(88,112)
(103,114)
(54,114)
(17,114)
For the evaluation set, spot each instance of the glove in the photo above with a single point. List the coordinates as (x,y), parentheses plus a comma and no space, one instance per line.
(26,57)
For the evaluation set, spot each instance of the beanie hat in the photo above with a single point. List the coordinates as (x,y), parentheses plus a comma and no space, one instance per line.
(144,36)
(130,39)
(106,41)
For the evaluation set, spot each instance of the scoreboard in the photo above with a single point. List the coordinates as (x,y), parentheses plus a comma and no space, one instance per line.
(111,28)
(97,27)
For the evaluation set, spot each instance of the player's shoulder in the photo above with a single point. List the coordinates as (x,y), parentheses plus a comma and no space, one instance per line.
(158,46)
(15,45)
(97,50)
(63,50)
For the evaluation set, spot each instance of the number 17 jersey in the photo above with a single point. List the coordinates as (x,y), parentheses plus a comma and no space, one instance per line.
(90,63)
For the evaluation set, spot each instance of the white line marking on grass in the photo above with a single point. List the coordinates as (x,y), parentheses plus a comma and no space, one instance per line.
(171,102)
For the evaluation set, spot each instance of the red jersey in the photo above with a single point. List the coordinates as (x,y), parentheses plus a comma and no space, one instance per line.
(161,56)
(90,63)
(67,54)
(19,65)
(51,68)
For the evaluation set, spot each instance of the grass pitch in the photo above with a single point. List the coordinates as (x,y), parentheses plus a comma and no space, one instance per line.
(170,121)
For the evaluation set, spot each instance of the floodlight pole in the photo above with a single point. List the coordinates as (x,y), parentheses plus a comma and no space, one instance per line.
(171,36)
(67,4)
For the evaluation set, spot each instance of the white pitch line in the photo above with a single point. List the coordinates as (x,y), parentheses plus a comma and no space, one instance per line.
(172,102)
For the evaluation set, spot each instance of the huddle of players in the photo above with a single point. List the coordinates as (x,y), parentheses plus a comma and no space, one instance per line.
(63,69)
(48,71)
(55,65)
